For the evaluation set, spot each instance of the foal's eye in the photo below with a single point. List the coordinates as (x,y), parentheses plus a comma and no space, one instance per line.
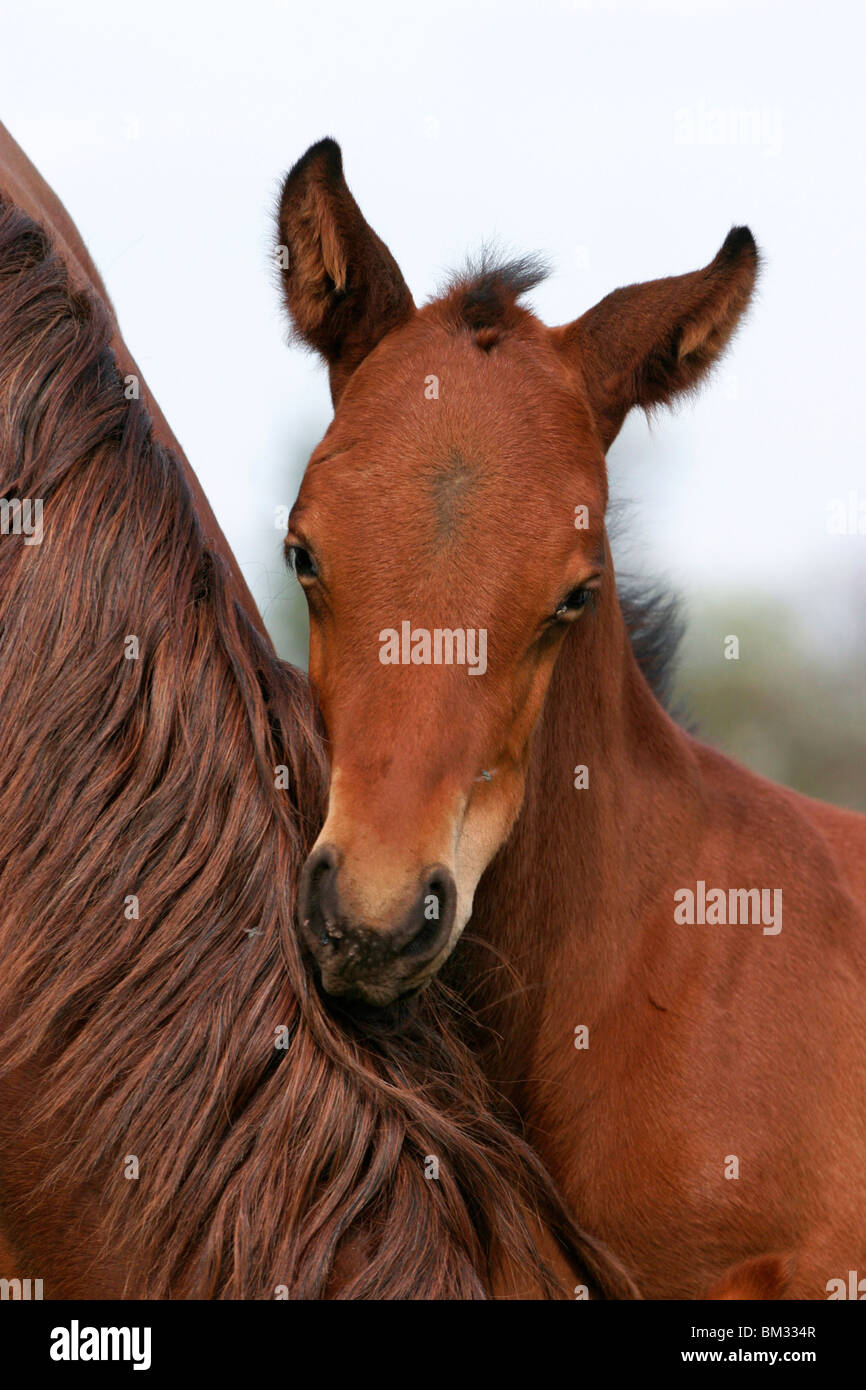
(573,602)
(302,563)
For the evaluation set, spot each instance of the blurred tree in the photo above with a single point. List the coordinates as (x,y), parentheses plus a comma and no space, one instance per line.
(787,709)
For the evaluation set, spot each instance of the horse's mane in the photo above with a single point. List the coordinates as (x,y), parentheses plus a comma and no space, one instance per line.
(655,627)
(153,777)
(486,290)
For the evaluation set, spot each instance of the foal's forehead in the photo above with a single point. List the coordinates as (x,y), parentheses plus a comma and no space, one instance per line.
(432,413)
(453,476)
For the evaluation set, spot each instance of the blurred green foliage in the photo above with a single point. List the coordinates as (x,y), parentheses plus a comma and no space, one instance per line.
(790,708)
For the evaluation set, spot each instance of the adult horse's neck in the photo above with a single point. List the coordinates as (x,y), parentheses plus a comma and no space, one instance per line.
(569,899)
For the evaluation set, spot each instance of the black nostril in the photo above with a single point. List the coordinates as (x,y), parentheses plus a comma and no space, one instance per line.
(429,924)
(318,902)
(349,952)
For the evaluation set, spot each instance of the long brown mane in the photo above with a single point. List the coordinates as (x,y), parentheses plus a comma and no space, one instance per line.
(154,777)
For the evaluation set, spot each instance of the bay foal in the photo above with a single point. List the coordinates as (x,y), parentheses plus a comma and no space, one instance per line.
(498,752)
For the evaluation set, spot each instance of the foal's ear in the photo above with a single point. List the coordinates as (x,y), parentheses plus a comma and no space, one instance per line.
(645,344)
(343,288)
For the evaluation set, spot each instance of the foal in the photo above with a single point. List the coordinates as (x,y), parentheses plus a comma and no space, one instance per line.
(686,1042)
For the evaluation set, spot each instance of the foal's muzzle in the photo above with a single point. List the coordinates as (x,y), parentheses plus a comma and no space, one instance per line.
(371,961)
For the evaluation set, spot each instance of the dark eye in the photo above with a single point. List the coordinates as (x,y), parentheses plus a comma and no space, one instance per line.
(302,562)
(573,602)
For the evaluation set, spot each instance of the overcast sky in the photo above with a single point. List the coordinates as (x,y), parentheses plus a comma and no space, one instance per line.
(622,138)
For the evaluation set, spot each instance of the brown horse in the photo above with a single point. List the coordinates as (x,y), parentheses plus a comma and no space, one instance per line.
(684,1021)
(180,1113)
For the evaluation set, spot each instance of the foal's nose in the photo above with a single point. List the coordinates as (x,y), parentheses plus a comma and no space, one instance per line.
(363,958)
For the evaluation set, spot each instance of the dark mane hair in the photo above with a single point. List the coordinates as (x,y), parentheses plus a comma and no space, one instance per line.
(150,856)
(485,294)
(653,615)
(655,626)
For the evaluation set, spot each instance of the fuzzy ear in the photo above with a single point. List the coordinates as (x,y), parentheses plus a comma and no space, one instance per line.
(764,1277)
(343,288)
(645,344)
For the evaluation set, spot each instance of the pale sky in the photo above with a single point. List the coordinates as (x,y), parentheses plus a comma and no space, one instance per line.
(621,138)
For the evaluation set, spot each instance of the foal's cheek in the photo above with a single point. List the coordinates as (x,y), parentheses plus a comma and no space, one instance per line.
(491,814)
(317,664)
(528,694)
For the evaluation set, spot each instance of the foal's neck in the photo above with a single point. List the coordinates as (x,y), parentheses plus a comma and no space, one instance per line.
(569,900)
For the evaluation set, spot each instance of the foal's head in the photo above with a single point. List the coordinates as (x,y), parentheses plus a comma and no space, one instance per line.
(449,531)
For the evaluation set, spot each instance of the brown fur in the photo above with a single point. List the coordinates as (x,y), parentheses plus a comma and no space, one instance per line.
(763,1277)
